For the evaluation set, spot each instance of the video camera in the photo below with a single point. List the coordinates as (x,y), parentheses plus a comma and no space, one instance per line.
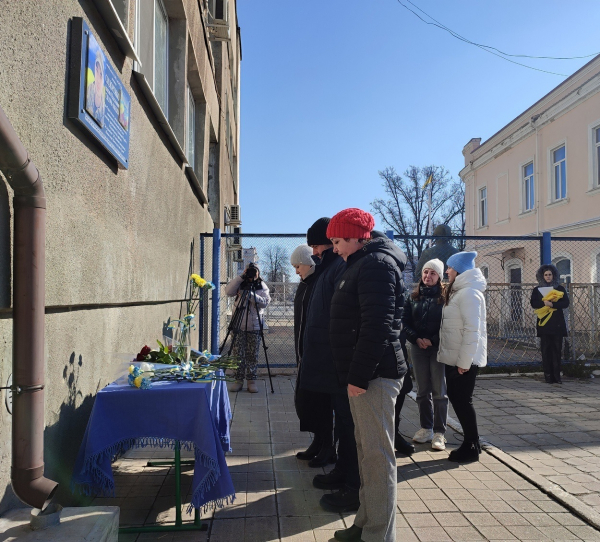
(251,278)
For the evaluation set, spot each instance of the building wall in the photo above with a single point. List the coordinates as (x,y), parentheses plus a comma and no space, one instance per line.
(566,116)
(119,243)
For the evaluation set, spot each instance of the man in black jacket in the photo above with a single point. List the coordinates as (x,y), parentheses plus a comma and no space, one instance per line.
(365,340)
(318,374)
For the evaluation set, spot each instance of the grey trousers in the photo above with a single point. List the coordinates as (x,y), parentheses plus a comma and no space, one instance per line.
(373,414)
(432,398)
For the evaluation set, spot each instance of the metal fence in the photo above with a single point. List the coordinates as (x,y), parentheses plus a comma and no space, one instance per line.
(508,263)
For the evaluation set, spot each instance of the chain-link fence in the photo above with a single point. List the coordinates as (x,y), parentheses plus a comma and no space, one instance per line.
(508,263)
(271,253)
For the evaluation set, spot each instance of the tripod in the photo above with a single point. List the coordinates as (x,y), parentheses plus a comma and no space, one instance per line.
(247,294)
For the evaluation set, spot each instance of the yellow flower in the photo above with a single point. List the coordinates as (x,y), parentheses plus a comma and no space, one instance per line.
(138,381)
(200,282)
(131,368)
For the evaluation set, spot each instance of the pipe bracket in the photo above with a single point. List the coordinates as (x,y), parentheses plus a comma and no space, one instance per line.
(23,389)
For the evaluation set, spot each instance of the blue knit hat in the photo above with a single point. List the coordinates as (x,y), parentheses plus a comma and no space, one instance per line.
(462,261)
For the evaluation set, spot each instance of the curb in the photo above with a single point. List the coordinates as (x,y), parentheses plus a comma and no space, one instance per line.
(572,503)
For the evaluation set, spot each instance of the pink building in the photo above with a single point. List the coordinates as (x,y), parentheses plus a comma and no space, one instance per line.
(540,172)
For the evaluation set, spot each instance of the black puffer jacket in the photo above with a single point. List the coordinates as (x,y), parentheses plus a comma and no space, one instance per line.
(365,315)
(318,371)
(301,300)
(422,317)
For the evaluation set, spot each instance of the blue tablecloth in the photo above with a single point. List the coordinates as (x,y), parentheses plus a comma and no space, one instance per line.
(123,417)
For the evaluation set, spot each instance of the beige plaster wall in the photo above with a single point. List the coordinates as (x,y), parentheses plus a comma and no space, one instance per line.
(113,236)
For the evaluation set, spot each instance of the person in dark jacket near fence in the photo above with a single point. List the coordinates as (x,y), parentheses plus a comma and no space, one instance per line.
(365,339)
(313,408)
(318,373)
(421,322)
(549,299)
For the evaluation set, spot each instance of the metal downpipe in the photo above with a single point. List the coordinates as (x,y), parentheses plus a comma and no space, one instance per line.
(29,260)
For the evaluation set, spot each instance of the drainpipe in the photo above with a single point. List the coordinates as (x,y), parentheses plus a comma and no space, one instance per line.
(29,203)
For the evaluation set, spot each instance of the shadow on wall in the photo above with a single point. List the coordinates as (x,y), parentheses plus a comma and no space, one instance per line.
(5,256)
(63,438)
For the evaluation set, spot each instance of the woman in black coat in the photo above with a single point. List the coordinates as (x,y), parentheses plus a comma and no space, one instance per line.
(314,409)
(551,327)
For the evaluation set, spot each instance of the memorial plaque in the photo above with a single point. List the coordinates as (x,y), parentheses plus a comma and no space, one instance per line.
(98,101)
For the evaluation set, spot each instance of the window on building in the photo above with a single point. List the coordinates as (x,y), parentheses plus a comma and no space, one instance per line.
(483,209)
(218,9)
(564,269)
(559,173)
(161,48)
(528,188)
(597,156)
(191,128)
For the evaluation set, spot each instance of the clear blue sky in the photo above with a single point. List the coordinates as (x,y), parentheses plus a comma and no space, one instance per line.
(334,90)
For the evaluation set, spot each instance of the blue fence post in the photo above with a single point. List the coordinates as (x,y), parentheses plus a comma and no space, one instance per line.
(201,294)
(546,255)
(390,234)
(216,296)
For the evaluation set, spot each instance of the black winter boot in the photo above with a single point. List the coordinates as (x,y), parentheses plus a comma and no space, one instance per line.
(332,480)
(344,500)
(402,446)
(467,453)
(312,451)
(325,456)
(352,534)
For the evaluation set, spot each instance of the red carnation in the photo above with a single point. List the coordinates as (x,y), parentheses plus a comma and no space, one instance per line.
(143,353)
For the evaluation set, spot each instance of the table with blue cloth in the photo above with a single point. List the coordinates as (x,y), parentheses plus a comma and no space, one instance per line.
(187,415)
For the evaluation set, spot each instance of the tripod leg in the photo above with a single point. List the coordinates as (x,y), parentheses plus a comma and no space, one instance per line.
(262,336)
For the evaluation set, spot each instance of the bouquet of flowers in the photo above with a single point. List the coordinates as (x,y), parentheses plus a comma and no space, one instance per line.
(206,367)
(182,327)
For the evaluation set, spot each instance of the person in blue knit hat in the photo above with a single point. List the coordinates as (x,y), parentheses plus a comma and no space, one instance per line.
(463,345)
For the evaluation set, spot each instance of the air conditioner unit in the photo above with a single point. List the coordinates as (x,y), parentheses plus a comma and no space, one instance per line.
(238,256)
(237,240)
(218,32)
(235,216)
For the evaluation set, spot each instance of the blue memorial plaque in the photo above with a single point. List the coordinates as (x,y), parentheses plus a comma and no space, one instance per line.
(98,101)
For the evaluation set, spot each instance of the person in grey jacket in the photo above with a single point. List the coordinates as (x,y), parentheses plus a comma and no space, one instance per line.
(247,340)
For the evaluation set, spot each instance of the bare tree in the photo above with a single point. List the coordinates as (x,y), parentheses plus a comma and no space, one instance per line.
(276,264)
(406,209)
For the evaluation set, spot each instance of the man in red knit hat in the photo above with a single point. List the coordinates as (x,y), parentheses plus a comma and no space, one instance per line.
(366,309)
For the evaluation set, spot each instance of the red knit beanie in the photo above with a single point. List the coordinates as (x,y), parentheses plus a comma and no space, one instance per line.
(351,224)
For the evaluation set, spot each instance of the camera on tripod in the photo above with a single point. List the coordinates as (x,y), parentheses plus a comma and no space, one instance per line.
(251,278)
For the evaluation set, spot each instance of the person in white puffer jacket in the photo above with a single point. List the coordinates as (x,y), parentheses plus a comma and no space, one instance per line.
(463,345)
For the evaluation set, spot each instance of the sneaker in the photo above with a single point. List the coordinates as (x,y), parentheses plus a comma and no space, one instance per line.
(352,534)
(237,386)
(332,480)
(344,500)
(438,442)
(423,435)
(252,386)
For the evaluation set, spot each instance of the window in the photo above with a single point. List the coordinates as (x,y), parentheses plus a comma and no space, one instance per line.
(564,270)
(559,173)
(597,156)
(483,211)
(161,31)
(528,188)
(191,128)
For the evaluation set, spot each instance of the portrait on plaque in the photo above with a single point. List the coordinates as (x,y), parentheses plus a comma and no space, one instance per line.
(124,105)
(95,92)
